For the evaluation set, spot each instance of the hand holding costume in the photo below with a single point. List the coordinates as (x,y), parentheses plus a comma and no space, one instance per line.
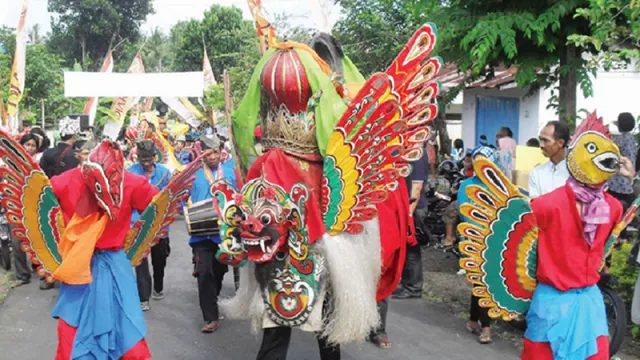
(542,256)
(304,226)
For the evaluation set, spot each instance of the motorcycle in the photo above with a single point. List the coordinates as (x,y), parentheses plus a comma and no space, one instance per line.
(440,192)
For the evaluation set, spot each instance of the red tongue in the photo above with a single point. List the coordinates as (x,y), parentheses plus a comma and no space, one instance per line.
(254,252)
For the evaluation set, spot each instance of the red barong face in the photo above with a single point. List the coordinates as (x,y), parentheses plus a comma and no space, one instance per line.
(261,221)
(104,174)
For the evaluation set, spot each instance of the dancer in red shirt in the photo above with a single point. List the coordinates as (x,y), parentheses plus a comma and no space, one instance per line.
(77,227)
(543,256)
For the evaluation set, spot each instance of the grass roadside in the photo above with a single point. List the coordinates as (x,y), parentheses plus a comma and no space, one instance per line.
(5,277)
(443,286)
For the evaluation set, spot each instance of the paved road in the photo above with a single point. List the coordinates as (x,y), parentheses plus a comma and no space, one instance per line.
(418,330)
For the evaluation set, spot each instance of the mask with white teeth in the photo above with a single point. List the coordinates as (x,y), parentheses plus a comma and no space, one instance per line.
(260,221)
(593,156)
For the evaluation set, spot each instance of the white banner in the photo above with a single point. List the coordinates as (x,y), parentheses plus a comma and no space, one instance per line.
(89,84)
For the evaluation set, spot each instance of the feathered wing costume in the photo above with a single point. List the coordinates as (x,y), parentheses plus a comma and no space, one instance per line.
(97,303)
(304,226)
(505,257)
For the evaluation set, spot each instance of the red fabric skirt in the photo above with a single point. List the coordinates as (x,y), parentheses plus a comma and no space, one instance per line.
(66,337)
(395,234)
(542,350)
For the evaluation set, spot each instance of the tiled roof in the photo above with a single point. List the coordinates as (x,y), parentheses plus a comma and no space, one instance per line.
(450,77)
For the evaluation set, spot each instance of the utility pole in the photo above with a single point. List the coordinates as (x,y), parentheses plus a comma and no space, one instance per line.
(42,111)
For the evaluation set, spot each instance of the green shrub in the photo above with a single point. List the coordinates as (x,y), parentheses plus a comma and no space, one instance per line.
(625,274)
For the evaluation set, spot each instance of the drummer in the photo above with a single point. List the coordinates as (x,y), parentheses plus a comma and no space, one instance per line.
(158,176)
(209,271)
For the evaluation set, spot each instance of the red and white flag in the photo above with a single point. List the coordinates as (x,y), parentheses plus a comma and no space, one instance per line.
(122,105)
(92,104)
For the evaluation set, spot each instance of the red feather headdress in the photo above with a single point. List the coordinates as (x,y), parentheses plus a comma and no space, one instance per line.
(591,123)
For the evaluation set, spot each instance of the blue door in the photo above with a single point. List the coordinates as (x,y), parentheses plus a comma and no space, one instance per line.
(492,113)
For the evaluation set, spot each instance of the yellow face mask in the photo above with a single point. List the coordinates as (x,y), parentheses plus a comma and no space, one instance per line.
(593,158)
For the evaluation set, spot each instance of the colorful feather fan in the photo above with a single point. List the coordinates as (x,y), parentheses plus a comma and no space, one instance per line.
(383,129)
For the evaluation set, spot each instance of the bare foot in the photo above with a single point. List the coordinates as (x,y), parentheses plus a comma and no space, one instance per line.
(382,341)
(485,336)
(473,327)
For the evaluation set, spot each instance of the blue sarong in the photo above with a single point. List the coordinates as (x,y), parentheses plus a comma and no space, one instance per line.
(569,321)
(106,312)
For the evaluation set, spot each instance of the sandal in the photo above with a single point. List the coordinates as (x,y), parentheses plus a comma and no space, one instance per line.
(443,246)
(17,283)
(381,341)
(485,338)
(210,327)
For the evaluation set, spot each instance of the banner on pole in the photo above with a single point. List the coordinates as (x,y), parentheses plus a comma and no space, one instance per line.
(92,104)
(16,87)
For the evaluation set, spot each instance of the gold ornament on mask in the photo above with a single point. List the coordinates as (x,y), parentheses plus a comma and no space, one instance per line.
(593,156)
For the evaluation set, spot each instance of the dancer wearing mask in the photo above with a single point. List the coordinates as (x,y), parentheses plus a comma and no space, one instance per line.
(517,261)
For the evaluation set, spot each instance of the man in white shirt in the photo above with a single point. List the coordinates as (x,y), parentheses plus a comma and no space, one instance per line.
(554,139)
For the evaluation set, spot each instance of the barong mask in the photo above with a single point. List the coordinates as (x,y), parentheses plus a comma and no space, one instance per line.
(261,220)
(264,224)
(103,174)
(593,156)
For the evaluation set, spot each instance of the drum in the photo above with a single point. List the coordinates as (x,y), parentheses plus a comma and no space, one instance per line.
(201,219)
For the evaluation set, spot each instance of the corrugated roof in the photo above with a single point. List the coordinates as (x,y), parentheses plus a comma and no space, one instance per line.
(450,77)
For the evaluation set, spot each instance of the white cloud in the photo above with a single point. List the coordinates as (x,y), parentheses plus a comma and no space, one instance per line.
(169,12)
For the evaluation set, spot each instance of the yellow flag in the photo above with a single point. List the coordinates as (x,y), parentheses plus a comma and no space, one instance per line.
(266,31)
(17,70)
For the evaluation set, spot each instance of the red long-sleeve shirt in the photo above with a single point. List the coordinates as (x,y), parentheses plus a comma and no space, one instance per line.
(68,187)
(565,259)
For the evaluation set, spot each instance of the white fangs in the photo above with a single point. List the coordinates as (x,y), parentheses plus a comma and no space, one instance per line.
(262,245)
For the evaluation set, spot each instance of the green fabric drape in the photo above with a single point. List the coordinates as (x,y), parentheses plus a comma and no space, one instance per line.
(246,117)
(351,73)
(331,106)
(327,113)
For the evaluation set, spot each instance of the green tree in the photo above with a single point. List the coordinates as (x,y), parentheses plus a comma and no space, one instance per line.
(549,42)
(618,31)
(84,31)
(372,33)
(286,31)
(43,82)
(8,39)
(231,44)
(154,48)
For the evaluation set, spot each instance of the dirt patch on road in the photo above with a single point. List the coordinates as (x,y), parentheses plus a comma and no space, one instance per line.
(443,286)
(4,285)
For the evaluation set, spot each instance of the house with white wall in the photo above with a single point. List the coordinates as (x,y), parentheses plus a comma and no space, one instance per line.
(490,104)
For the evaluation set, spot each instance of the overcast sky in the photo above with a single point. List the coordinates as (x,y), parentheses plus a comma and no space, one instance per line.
(168,12)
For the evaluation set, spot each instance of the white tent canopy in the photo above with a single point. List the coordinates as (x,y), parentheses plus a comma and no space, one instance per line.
(91,84)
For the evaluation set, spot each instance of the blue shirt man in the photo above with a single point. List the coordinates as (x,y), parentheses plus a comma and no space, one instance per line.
(208,270)
(158,176)
(201,189)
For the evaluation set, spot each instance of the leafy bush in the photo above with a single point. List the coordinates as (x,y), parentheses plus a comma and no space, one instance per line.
(624,273)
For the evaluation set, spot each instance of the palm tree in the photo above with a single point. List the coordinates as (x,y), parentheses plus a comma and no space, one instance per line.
(157,50)
(34,34)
